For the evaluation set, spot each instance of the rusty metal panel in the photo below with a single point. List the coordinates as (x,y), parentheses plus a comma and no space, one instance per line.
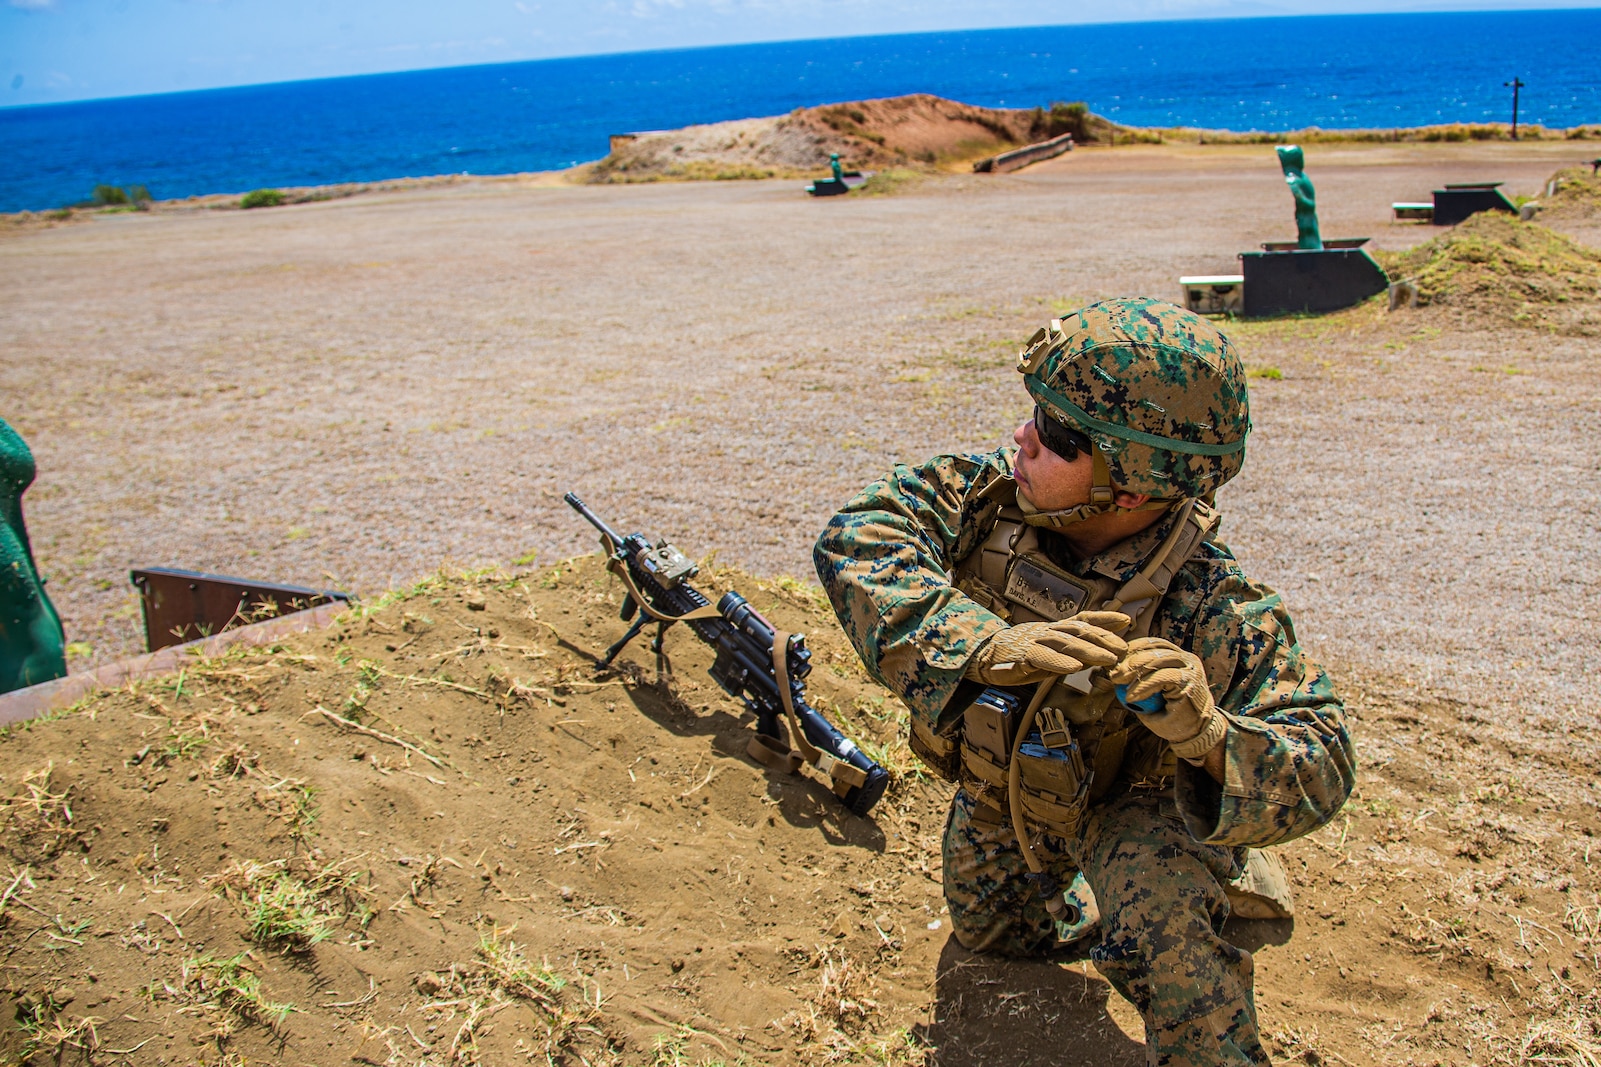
(183,606)
(36,700)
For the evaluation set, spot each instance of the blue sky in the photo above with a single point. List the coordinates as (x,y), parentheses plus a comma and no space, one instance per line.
(57,50)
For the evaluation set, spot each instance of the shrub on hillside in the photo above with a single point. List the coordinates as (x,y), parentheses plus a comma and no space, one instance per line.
(1061,118)
(114,196)
(261,198)
(1085,126)
(850,121)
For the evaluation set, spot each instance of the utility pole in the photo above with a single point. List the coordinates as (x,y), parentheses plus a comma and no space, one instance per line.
(1515,84)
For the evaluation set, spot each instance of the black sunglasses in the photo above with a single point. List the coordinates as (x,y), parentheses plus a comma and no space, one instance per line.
(1058,438)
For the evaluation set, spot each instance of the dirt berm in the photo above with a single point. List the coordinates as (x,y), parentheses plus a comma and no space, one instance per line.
(896,131)
(433,834)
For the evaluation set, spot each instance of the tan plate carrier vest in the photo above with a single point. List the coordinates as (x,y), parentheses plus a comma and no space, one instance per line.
(1089,741)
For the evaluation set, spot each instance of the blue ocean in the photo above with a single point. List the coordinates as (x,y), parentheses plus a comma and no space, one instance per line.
(1243,74)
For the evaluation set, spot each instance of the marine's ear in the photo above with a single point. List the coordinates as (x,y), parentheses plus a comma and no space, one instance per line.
(1129,501)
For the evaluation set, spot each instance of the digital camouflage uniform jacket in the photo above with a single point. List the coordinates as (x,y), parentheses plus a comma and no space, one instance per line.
(886,560)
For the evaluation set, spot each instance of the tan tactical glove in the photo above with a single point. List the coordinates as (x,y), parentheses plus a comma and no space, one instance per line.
(1187,720)
(1034,651)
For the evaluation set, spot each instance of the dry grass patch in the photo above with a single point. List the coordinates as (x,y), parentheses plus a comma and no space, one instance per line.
(49,1034)
(460,1001)
(37,820)
(892,181)
(227,994)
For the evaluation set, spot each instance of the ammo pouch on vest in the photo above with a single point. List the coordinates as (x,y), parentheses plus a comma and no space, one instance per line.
(1053,777)
(989,725)
(1055,789)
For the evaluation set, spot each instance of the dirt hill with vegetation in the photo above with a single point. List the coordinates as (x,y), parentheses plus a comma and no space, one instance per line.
(1575,193)
(916,130)
(923,131)
(1572,204)
(1495,266)
(435,834)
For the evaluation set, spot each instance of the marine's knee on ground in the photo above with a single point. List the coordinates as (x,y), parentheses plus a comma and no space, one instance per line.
(1163,905)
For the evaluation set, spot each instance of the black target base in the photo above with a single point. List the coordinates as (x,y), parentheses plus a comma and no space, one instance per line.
(1308,280)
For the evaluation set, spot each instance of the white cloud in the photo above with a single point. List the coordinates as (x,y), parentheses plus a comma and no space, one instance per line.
(644,9)
(33,5)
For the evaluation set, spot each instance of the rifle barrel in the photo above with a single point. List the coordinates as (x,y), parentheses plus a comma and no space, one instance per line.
(594,520)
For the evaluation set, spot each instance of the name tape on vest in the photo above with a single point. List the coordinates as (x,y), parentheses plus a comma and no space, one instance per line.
(1042,592)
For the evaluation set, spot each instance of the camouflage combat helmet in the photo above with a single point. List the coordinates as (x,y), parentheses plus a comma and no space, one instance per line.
(1157,389)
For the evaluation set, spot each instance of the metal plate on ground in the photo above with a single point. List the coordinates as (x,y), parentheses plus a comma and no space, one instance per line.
(183,606)
(1214,294)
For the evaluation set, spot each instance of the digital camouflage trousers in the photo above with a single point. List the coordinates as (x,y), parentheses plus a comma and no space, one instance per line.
(1162,905)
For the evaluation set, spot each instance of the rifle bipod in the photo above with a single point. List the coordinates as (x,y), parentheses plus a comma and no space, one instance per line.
(633,632)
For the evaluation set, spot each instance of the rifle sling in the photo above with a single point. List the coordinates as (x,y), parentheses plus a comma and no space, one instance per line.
(764,750)
(617,567)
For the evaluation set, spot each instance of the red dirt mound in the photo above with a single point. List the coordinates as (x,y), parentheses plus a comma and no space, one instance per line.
(896,131)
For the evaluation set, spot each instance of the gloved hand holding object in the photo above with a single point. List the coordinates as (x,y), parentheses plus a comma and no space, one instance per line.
(1185,717)
(1034,651)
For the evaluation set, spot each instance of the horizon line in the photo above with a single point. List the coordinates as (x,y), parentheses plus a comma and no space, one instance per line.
(1424,12)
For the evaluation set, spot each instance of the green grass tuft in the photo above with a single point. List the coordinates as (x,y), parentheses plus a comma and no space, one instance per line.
(889,182)
(228,986)
(287,915)
(291,912)
(508,968)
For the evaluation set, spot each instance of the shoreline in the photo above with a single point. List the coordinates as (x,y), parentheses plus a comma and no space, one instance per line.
(596,171)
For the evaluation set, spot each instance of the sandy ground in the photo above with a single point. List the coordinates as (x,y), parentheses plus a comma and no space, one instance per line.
(434,834)
(358,390)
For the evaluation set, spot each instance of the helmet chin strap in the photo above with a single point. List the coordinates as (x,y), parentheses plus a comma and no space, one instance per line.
(1101,501)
